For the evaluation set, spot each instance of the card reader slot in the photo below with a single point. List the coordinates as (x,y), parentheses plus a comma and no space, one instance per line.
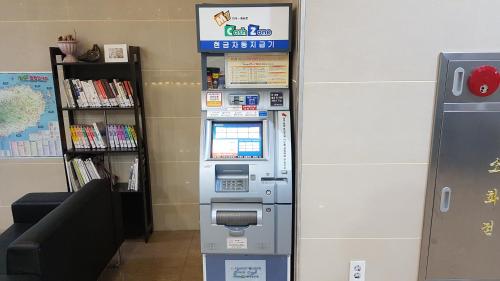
(281,179)
(267,179)
(264,179)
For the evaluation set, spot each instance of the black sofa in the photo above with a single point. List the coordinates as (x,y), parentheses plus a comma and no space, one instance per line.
(70,241)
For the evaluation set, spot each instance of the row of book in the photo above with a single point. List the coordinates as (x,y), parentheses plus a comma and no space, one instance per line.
(99,136)
(98,93)
(133,178)
(81,171)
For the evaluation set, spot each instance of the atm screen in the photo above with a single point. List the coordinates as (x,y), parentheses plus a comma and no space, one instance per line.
(236,140)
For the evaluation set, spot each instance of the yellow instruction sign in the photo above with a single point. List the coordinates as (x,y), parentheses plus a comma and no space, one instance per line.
(214,99)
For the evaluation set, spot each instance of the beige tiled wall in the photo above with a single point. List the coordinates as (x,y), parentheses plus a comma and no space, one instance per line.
(18,177)
(368,96)
(165,30)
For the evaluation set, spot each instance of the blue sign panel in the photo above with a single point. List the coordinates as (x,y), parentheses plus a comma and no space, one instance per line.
(244,28)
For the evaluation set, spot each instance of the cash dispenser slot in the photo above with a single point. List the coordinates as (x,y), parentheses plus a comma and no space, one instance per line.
(236,217)
(231,178)
(253,222)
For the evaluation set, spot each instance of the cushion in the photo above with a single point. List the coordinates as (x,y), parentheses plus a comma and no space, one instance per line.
(32,207)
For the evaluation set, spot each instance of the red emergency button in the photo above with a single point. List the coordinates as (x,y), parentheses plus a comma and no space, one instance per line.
(484,81)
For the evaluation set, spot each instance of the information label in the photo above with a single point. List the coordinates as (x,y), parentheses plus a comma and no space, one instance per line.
(237,243)
(257,70)
(214,99)
(235,113)
(284,142)
(276,98)
(237,270)
(243,28)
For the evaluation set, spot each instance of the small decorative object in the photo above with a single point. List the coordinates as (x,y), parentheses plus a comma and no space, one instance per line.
(91,55)
(116,53)
(67,44)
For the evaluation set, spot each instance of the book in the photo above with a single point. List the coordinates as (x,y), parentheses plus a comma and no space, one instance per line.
(86,92)
(104,86)
(69,94)
(75,184)
(112,89)
(91,170)
(115,136)
(133,181)
(121,92)
(128,89)
(84,100)
(98,99)
(100,132)
(77,172)
(89,136)
(130,177)
(103,99)
(83,170)
(133,134)
(68,173)
(75,93)
(83,136)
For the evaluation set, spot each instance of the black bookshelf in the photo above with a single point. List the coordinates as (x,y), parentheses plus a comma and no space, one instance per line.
(137,205)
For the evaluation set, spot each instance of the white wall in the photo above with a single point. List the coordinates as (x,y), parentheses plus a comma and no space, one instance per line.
(367,103)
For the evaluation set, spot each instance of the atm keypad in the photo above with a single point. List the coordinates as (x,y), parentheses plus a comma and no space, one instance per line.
(233,185)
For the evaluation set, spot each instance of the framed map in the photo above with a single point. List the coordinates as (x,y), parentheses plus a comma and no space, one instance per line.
(29,125)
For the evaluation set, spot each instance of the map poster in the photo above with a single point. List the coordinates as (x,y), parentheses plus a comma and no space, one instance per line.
(28,116)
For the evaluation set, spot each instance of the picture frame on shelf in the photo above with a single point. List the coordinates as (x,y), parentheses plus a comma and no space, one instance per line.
(115,53)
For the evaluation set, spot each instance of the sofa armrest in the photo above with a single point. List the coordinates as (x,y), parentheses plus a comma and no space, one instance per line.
(74,242)
(32,207)
(23,258)
(19,278)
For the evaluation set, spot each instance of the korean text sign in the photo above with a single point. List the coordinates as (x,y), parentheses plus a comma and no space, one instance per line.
(243,28)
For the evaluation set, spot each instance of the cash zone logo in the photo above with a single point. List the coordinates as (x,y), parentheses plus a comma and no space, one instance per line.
(252,30)
(232,30)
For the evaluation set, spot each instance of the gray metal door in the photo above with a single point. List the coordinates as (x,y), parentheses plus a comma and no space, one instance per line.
(464,241)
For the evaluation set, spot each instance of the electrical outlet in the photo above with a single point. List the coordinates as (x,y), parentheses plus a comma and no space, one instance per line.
(357,271)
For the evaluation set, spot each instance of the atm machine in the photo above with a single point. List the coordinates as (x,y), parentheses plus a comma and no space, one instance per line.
(246,167)
(461,234)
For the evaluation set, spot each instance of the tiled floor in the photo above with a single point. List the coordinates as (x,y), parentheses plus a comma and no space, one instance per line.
(169,256)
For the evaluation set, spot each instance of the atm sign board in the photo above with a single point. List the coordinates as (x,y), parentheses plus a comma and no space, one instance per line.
(243,28)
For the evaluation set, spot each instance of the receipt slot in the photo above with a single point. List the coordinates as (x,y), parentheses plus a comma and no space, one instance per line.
(246,168)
